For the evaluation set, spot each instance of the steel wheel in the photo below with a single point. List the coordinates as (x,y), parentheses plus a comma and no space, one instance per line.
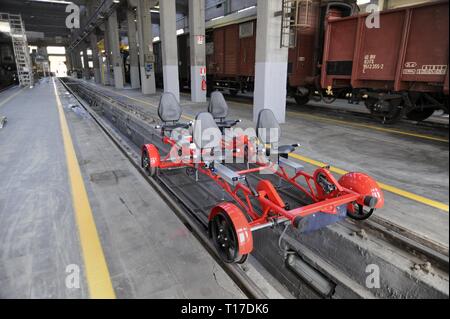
(225,239)
(146,164)
(360,212)
(392,116)
(420,114)
(301,99)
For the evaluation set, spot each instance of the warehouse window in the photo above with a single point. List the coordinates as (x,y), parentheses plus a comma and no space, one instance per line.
(56,50)
(246,30)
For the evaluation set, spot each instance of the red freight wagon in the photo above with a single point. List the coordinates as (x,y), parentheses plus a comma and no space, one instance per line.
(400,68)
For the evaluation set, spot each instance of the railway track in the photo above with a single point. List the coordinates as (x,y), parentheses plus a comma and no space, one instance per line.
(351,115)
(195,216)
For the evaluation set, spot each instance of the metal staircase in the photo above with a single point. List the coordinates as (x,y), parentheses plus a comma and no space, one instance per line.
(21,50)
(295,14)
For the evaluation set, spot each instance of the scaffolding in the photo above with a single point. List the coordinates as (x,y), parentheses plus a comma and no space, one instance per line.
(20,47)
(295,14)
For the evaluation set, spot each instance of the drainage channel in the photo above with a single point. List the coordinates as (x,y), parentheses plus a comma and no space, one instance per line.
(329,263)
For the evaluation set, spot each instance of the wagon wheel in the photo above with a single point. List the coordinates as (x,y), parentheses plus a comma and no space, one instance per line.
(420,115)
(147,165)
(392,116)
(301,100)
(233,93)
(360,212)
(316,95)
(225,239)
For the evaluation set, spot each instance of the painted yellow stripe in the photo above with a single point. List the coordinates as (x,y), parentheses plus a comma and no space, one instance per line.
(372,127)
(97,273)
(389,188)
(9,98)
(339,171)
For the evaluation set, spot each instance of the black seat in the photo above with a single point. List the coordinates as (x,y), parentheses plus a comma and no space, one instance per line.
(169,111)
(207,135)
(268,131)
(218,107)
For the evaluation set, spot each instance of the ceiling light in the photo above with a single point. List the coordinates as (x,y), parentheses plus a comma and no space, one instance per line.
(245,9)
(53,1)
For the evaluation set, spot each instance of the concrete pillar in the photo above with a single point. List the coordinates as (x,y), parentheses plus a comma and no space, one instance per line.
(77,58)
(133,50)
(107,71)
(86,73)
(146,57)
(169,43)
(271,62)
(95,58)
(116,58)
(198,50)
(69,63)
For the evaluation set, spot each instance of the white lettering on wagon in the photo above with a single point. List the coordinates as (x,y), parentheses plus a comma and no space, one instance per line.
(370,63)
(427,69)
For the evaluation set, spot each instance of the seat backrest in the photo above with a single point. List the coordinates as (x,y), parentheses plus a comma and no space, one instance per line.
(169,110)
(218,107)
(268,129)
(206,133)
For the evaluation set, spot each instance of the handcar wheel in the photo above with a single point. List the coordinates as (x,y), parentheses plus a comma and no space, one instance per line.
(225,239)
(146,164)
(360,212)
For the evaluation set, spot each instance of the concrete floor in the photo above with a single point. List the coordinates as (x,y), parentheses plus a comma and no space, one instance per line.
(149,252)
(408,163)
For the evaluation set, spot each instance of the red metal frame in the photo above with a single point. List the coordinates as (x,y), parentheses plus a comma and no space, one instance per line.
(351,188)
(272,210)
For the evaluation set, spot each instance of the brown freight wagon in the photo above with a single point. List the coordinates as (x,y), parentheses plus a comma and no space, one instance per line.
(230,57)
(230,51)
(399,68)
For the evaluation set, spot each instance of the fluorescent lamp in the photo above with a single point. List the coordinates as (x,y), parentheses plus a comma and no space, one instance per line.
(180,31)
(5,27)
(245,9)
(53,1)
(217,18)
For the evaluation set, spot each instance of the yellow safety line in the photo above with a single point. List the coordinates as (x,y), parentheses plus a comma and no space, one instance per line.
(386,187)
(9,98)
(381,129)
(97,273)
(339,171)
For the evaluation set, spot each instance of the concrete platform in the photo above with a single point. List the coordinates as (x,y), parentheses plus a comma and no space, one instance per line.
(413,167)
(148,251)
